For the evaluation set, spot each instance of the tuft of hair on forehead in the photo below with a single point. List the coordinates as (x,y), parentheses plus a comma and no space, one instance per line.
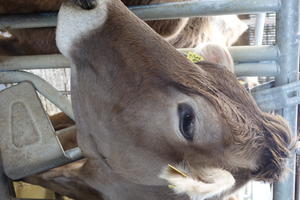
(221,88)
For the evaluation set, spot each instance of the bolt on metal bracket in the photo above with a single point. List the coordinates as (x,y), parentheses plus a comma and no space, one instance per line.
(28,142)
(277,97)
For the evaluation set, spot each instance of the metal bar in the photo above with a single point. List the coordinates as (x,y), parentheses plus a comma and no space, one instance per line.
(256,69)
(297,147)
(252,22)
(242,53)
(42,86)
(40,20)
(278,97)
(33,62)
(259,28)
(287,29)
(157,11)
(242,69)
(254,53)
(204,8)
(74,154)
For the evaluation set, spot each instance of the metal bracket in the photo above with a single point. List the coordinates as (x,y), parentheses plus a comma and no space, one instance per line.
(277,97)
(28,142)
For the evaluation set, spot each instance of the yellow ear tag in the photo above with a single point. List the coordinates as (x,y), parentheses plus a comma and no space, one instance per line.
(194,57)
(176,171)
(242,82)
(171,186)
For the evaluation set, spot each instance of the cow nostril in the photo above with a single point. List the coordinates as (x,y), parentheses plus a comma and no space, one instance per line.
(86,4)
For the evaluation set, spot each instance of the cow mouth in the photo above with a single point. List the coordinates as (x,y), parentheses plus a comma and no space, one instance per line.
(204,182)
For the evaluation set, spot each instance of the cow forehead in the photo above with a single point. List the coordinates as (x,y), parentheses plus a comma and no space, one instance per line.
(75,22)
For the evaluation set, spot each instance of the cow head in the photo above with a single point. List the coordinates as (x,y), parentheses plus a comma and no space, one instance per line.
(141,105)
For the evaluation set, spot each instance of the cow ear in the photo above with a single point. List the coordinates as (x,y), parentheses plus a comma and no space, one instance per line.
(201,183)
(217,54)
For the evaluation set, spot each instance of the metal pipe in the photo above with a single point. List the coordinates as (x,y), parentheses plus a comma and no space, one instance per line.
(74,154)
(254,53)
(40,20)
(241,54)
(33,62)
(204,8)
(286,36)
(241,69)
(42,86)
(259,28)
(157,11)
(256,69)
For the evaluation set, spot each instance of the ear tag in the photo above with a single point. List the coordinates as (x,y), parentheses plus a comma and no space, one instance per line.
(174,170)
(194,57)
(171,187)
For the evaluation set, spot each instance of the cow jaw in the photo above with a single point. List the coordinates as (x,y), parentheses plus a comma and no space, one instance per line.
(198,183)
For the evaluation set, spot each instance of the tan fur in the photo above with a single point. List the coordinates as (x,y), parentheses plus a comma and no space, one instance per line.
(68,140)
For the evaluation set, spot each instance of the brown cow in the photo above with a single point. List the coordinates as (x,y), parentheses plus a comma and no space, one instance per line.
(140,105)
(63,180)
(180,33)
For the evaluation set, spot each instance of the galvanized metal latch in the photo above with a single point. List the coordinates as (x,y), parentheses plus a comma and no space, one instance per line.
(28,142)
(273,98)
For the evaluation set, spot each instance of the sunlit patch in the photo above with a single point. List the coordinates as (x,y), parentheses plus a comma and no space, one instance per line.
(5,34)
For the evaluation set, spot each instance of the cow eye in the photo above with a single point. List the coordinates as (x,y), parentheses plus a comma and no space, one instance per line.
(186,121)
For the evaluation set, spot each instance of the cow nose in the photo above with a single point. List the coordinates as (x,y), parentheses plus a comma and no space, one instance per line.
(86,4)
